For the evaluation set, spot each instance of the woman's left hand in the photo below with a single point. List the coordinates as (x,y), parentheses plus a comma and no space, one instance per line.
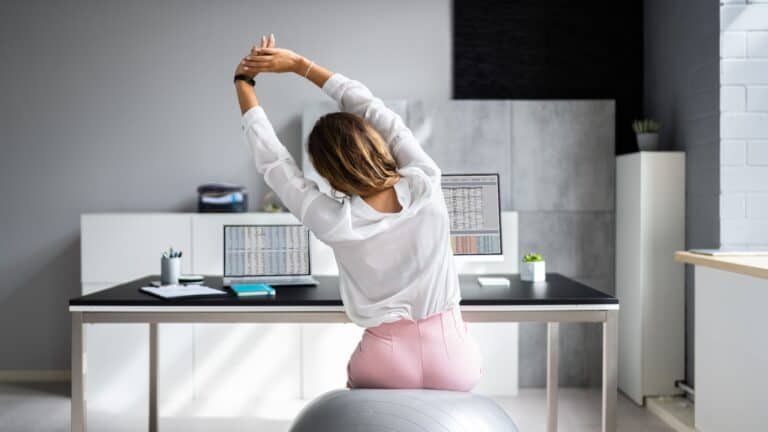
(271,59)
(250,72)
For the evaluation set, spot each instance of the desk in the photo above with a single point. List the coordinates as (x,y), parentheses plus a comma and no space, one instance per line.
(730,349)
(557,300)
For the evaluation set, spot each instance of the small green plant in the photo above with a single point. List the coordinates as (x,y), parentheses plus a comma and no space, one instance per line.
(533,257)
(646,126)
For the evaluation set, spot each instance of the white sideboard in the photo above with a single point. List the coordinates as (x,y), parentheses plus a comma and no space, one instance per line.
(650,227)
(225,364)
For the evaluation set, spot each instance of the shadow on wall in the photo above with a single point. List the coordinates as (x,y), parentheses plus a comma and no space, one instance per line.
(37,306)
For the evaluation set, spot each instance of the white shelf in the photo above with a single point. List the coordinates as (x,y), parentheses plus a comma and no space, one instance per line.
(650,285)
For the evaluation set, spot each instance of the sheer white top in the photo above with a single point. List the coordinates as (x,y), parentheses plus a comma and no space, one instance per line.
(392,266)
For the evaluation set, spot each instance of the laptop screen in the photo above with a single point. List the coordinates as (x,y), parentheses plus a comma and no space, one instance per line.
(266,250)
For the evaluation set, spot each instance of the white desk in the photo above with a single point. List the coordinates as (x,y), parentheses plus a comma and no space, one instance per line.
(731,348)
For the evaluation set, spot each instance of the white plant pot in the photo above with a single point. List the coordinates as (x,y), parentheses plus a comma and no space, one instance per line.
(648,141)
(533,271)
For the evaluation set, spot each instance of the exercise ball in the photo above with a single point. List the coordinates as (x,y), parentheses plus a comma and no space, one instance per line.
(379,410)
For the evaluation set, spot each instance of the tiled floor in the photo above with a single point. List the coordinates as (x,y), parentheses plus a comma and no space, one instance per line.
(45,408)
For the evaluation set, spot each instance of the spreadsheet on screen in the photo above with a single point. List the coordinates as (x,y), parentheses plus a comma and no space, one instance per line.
(266,250)
(474,212)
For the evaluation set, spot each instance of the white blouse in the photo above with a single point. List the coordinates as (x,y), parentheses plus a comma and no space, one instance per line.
(392,266)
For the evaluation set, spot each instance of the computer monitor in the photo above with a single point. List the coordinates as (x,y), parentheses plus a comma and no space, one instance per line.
(266,250)
(474,212)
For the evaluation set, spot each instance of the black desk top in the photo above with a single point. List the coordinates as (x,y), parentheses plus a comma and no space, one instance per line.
(557,290)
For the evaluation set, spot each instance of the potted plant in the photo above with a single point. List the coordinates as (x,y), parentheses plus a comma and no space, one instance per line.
(647,132)
(533,268)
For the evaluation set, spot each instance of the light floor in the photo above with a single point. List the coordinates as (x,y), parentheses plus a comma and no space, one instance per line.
(44,407)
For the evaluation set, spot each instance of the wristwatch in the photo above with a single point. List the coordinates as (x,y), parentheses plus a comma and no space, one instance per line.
(245,78)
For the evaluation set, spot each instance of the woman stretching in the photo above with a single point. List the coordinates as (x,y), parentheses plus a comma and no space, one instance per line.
(390,234)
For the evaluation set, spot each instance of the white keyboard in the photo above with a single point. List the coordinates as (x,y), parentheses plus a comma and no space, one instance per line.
(272,280)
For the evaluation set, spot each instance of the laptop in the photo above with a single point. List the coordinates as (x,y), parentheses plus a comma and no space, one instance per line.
(276,255)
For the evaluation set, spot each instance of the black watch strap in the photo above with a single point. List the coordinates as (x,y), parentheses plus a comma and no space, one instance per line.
(245,78)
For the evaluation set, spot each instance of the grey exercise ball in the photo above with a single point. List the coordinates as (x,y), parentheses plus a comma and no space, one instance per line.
(375,410)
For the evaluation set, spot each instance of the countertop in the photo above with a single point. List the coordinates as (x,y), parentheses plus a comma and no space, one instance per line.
(556,290)
(748,265)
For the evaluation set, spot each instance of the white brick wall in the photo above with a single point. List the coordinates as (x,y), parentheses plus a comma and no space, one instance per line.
(733,44)
(757,152)
(757,44)
(757,99)
(733,206)
(733,98)
(757,208)
(733,153)
(744,71)
(744,123)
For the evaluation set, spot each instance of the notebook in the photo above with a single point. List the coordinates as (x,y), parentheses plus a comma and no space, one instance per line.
(180,291)
(244,290)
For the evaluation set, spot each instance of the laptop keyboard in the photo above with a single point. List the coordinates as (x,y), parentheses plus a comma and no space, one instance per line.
(286,280)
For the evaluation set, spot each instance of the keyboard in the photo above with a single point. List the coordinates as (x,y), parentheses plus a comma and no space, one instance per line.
(272,280)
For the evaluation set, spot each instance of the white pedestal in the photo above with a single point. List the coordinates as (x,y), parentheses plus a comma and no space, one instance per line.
(650,227)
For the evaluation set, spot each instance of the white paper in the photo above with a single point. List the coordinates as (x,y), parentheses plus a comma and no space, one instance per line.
(493,281)
(175,291)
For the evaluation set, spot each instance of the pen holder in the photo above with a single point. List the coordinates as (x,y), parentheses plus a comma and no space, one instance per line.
(170,270)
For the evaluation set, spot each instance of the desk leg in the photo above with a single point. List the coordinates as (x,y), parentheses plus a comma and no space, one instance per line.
(153,377)
(610,369)
(553,340)
(77,419)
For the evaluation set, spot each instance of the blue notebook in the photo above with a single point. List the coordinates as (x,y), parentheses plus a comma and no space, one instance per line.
(244,290)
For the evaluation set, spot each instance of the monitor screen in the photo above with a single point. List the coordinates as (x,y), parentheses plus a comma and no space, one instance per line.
(474,212)
(266,250)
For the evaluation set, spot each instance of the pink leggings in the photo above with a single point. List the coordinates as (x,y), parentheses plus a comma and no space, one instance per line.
(433,353)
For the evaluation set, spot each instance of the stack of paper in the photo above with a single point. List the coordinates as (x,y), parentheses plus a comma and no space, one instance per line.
(178,291)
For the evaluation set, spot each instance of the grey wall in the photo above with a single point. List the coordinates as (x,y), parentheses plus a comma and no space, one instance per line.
(128,106)
(681,90)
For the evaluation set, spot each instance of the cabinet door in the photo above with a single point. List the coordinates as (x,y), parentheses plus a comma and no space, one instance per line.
(239,366)
(326,349)
(116,248)
(498,344)
(236,364)
(122,247)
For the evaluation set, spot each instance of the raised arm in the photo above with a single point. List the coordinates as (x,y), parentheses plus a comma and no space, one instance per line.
(353,97)
(277,165)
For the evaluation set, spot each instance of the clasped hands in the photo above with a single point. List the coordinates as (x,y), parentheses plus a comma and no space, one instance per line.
(267,58)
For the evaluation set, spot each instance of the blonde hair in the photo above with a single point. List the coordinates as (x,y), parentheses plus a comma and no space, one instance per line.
(351,155)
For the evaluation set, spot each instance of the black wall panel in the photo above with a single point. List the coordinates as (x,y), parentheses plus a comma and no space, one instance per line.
(552,49)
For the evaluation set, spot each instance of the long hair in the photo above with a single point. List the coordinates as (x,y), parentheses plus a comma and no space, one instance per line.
(351,155)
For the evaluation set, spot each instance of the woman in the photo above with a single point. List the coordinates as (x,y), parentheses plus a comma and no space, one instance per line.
(390,234)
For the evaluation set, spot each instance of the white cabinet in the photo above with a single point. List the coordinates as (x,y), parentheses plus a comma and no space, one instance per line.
(116,248)
(731,350)
(650,227)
